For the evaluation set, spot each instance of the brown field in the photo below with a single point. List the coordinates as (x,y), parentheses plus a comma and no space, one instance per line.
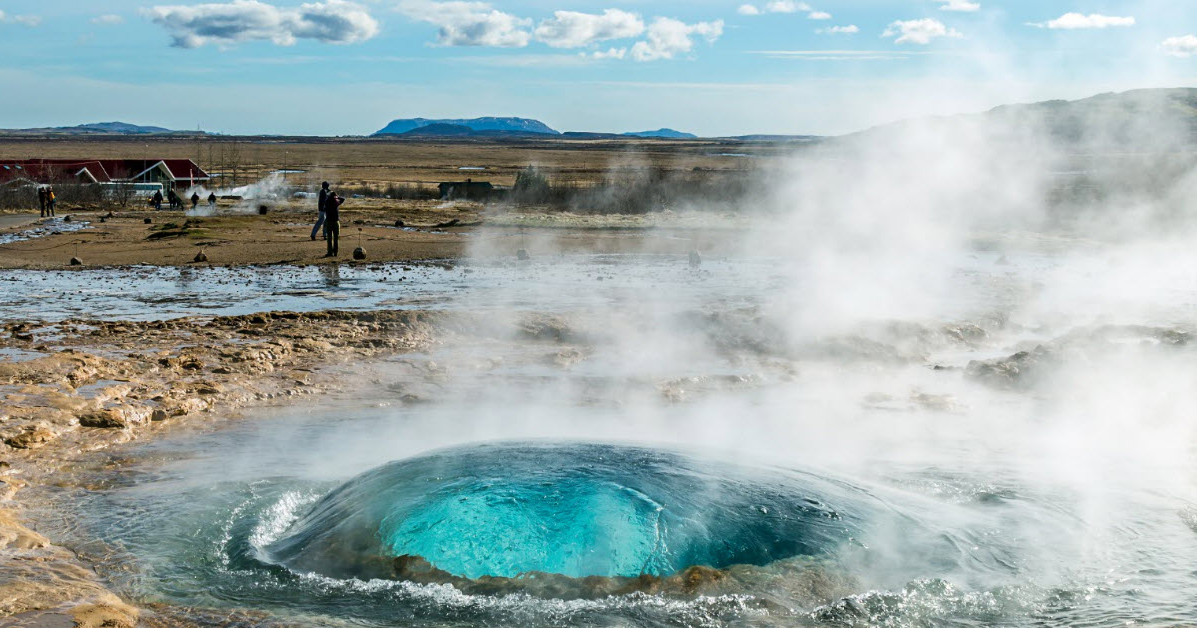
(366,161)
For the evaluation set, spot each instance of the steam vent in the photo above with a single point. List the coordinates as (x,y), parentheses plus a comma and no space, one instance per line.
(568,511)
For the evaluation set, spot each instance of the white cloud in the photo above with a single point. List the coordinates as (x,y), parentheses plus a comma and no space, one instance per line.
(570,29)
(331,22)
(965,6)
(850,29)
(1184,46)
(107,20)
(783,6)
(470,23)
(668,37)
(919,31)
(27,20)
(1075,21)
(611,53)
(786,6)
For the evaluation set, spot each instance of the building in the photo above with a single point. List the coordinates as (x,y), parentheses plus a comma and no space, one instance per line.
(466,190)
(178,174)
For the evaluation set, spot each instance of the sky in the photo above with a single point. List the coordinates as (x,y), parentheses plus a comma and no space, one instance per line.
(334,67)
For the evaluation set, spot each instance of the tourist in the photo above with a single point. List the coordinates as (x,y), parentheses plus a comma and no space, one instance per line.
(41,200)
(194,200)
(172,198)
(157,200)
(51,200)
(212,200)
(320,217)
(332,222)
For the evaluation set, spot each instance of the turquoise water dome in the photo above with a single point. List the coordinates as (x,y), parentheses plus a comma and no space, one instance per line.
(575,510)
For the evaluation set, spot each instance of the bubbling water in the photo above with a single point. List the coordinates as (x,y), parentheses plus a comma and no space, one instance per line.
(574,510)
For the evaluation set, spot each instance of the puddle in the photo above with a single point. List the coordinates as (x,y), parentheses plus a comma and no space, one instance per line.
(47,227)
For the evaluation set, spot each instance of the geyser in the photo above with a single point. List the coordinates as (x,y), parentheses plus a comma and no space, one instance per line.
(573,510)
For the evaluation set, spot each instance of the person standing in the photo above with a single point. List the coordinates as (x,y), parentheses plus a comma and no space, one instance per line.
(332,222)
(41,200)
(157,200)
(320,215)
(194,200)
(51,200)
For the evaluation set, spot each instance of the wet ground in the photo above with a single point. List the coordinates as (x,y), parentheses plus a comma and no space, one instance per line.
(1024,431)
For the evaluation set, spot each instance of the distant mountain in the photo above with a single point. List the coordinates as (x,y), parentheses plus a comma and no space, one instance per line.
(514,125)
(664,133)
(1150,120)
(438,130)
(104,128)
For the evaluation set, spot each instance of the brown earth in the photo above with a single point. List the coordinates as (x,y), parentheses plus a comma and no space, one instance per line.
(411,161)
(100,384)
(433,230)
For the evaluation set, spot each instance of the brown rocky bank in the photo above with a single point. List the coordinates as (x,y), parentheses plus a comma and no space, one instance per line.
(102,383)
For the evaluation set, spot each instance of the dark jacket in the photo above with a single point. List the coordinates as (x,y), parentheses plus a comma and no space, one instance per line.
(321,199)
(332,208)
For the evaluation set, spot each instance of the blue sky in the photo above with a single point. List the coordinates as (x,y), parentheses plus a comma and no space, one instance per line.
(332,67)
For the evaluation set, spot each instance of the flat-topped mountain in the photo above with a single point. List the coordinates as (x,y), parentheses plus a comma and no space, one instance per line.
(511,125)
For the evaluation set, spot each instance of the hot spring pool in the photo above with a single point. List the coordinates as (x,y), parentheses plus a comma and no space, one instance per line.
(570,510)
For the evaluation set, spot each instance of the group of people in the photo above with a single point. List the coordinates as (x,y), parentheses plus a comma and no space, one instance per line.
(46,200)
(328,206)
(176,201)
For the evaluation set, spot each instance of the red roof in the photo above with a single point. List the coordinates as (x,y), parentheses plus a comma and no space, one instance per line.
(102,170)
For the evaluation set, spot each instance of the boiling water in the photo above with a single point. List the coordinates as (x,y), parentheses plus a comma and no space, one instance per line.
(864,475)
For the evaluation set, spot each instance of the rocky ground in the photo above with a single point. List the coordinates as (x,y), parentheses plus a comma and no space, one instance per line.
(98,384)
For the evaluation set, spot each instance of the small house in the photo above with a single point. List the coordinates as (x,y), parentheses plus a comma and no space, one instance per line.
(468,190)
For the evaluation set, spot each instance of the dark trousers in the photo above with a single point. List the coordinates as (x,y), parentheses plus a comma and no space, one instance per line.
(332,229)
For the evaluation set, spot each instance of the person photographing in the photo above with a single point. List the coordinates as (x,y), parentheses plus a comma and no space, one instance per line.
(332,222)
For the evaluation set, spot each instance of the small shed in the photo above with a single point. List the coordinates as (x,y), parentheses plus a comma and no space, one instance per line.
(469,190)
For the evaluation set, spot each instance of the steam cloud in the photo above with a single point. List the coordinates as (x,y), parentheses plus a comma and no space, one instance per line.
(332,22)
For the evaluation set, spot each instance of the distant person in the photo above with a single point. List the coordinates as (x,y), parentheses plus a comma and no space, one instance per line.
(172,198)
(157,200)
(194,200)
(332,222)
(51,200)
(320,216)
(41,200)
(212,200)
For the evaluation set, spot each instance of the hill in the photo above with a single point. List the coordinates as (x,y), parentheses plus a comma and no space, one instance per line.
(664,133)
(104,128)
(1149,120)
(513,125)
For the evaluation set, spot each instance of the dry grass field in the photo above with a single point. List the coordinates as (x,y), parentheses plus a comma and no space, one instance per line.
(365,161)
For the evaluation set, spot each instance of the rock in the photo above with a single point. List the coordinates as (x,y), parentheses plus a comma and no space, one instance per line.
(263,210)
(399,223)
(116,418)
(31,438)
(159,415)
(103,219)
(359,253)
(521,254)
(75,261)
(68,218)
(201,257)
(148,221)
